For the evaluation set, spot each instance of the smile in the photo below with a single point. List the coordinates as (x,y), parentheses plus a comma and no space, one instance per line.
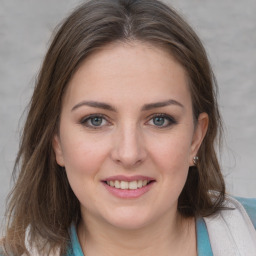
(128,187)
(128,184)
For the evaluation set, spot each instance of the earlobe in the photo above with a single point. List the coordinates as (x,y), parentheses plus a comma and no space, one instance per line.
(199,134)
(58,150)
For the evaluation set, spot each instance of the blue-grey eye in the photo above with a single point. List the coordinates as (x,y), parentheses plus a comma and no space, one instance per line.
(162,121)
(96,121)
(159,121)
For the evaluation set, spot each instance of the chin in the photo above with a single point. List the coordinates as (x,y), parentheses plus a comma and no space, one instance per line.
(129,220)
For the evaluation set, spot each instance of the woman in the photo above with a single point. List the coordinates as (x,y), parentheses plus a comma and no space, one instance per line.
(118,151)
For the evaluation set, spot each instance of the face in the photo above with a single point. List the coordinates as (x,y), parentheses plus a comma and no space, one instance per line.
(127,135)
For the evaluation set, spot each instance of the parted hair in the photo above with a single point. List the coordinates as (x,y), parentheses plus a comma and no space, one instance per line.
(42,198)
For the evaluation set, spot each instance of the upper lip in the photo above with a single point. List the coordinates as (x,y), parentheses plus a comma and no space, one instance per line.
(128,178)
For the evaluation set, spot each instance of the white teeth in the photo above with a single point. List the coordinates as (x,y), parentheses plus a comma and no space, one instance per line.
(117,184)
(124,185)
(133,185)
(128,185)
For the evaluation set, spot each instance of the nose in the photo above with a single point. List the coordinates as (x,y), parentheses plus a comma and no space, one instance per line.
(128,147)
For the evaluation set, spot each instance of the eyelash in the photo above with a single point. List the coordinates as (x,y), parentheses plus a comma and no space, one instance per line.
(171,121)
(86,119)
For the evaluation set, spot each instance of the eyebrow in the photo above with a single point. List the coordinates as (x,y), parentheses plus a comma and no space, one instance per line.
(94,104)
(161,104)
(102,105)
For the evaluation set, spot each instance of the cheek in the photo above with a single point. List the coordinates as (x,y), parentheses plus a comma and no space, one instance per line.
(172,152)
(171,157)
(83,160)
(82,155)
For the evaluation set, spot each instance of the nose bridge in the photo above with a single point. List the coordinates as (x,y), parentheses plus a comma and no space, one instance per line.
(128,148)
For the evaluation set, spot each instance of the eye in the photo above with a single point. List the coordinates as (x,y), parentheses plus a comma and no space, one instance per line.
(94,121)
(162,120)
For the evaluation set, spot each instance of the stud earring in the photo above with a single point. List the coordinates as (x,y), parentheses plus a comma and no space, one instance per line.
(195,160)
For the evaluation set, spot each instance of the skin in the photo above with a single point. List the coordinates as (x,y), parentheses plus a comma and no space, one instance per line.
(130,140)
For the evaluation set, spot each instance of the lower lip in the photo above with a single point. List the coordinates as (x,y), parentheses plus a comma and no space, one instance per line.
(128,193)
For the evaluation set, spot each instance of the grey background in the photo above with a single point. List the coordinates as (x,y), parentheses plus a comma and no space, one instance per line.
(228,31)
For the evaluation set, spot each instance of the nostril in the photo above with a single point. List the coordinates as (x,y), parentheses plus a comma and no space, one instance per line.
(128,150)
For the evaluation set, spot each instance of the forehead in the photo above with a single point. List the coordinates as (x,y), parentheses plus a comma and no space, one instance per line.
(134,69)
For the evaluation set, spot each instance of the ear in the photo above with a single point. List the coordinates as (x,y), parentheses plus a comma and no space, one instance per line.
(58,150)
(199,134)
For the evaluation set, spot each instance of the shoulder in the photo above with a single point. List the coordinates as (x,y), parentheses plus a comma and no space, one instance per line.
(232,230)
(249,205)
(244,207)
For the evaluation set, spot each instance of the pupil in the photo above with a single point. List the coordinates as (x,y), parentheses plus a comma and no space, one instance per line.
(158,121)
(96,121)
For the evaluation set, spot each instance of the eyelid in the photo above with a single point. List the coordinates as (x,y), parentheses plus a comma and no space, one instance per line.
(171,119)
(90,116)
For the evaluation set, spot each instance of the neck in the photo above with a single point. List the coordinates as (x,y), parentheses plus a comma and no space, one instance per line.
(159,238)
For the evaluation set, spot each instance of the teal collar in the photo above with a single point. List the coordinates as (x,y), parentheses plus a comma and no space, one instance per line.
(75,247)
(203,241)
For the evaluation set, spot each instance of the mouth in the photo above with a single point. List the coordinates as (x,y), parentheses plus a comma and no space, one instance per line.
(128,185)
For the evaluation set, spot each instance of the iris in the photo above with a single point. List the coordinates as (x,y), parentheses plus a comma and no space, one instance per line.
(159,121)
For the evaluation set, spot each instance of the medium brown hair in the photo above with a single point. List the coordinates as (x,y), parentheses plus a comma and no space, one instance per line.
(42,198)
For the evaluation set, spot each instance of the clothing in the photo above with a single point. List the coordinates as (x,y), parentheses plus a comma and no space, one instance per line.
(206,239)
(228,233)
(231,232)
